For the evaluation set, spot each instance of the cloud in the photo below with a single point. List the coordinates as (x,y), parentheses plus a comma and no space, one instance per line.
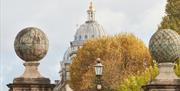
(149,21)
(111,21)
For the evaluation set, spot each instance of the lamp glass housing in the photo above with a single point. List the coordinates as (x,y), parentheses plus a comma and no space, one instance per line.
(98,69)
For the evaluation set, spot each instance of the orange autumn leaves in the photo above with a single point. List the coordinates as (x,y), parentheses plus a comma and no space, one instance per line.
(121,55)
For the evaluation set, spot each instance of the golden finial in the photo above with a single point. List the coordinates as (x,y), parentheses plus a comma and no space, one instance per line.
(91,15)
(91,6)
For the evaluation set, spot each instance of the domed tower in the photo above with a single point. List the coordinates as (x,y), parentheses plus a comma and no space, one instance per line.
(90,29)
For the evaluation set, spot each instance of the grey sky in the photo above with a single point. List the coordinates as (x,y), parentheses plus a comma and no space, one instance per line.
(59,19)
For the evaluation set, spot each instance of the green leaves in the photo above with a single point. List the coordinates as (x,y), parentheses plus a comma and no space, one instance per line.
(172,19)
(136,81)
(177,67)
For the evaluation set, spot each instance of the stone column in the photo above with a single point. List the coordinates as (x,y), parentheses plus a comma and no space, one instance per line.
(165,81)
(31,45)
(164,47)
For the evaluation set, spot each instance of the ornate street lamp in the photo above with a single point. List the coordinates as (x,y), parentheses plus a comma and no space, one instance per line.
(98,70)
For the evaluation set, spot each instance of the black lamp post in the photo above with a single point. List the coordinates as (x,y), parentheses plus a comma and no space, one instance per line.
(98,70)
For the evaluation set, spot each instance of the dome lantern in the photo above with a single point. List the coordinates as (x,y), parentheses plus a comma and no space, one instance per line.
(90,29)
(91,13)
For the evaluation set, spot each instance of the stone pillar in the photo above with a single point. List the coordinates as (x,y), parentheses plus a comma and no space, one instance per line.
(31,80)
(165,81)
(31,45)
(164,47)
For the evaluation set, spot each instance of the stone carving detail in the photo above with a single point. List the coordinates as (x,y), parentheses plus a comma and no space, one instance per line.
(31,44)
(165,49)
(165,46)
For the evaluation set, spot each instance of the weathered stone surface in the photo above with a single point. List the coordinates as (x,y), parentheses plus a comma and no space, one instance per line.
(166,73)
(31,75)
(22,80)
(31,87)
(165,46)
(31,70)
(165,49)
(31,44)
(165,81)
(161,87)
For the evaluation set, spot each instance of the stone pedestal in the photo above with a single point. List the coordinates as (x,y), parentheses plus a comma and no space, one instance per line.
(165,81)
(31,45)
(30,87)
(31,80)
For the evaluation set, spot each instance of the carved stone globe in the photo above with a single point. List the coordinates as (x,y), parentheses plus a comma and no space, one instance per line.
(165,46)
(31,44)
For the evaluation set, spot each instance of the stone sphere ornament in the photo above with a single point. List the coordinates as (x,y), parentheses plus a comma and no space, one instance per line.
(165,46)
(31,44)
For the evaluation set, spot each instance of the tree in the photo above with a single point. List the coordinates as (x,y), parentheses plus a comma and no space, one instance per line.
(135,82)
(121,55)
(172,18)
(177,67)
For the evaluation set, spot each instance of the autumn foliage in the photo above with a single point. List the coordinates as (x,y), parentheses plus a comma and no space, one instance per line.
(136,81)
(121,55)
(172,18)
(177,67)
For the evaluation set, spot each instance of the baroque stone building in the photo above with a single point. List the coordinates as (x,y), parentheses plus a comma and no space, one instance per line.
(90,29)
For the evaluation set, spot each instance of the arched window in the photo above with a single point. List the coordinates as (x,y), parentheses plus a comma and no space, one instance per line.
(86,36)
(79,37)
(75,37)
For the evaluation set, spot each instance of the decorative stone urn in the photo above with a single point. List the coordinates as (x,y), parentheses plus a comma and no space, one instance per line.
(165,49)
(31,45)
